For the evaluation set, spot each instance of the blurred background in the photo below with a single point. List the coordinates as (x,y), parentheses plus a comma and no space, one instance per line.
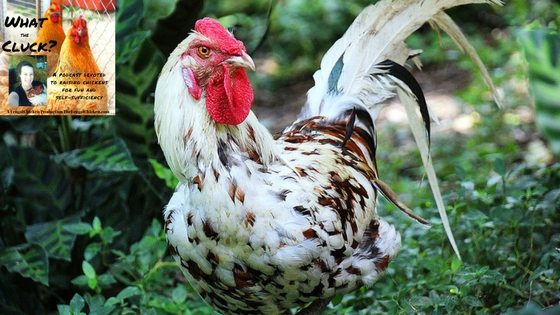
(81,198)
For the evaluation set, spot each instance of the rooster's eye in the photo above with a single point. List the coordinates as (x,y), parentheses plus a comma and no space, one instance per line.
(203,51)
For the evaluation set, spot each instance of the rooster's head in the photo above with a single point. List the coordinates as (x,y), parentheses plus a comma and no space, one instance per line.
(79,32)
(212,63)
(54,12)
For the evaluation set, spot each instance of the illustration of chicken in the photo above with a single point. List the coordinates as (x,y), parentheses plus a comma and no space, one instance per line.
(261,225)
(52,30)
(76,83)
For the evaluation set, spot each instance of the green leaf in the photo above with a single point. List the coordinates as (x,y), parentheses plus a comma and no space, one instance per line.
(97,305)
(108,234)
(130,36)
(91,250)
(473,301)
(542,50)
(130,43)
(6,177)
(89,272)
(164,173)
(155,227)
(500,166)
(96,225)
(455,265)
(64,309)
(156,10)
(128,292)
(112,301)
(108,156)
(123,295)
(80,228)
(29,260)
(40,179)
(420,302)
(106,280)
(92,283)
(136,81)
(163,303)
(80,281)
(77,303)
(454,290)
(57,241)
(179,294)
(336,300)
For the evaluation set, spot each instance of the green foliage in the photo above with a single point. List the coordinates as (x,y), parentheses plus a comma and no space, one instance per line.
(129,36)
(44,180)
(164,173)
(542,51)
(54,237)
(29,260)
(107,156)
(504,213)
(148,278)
(77,193)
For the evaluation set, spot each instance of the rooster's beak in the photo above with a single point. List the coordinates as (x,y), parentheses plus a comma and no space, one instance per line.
(241,61)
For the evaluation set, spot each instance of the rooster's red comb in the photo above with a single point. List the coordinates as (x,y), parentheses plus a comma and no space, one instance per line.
(79,22)
(215,31)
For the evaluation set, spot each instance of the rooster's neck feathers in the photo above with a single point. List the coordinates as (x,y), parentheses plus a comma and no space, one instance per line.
(190,139)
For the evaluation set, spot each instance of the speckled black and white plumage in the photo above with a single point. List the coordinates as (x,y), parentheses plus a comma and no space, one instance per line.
(262,225)
(264,238)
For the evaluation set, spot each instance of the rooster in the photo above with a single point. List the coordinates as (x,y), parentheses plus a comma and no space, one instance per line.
(52,30)
(75,85)
(261,225)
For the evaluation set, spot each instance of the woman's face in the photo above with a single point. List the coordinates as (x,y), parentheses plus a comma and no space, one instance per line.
(26,76)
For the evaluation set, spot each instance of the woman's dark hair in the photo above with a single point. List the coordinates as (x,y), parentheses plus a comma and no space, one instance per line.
(22,64)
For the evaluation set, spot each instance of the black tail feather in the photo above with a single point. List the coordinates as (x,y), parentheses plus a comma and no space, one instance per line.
(400,72)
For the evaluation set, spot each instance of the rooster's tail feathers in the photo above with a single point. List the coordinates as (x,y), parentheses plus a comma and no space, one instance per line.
(364,68)
(378,34)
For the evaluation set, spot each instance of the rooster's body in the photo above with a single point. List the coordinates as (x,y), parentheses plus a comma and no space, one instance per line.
(255,236)
(262,225)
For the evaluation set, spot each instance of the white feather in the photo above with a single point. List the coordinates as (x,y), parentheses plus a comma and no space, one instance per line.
(445,22)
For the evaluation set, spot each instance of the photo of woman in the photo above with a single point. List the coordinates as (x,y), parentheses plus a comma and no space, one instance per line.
(27,91)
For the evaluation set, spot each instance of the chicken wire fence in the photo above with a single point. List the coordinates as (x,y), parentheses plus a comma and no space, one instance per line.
(100,16)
